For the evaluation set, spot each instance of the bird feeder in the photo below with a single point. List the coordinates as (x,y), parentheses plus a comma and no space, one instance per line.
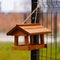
(29,30)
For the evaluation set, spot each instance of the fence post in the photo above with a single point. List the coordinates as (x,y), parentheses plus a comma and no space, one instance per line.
(35,53)
(55,34)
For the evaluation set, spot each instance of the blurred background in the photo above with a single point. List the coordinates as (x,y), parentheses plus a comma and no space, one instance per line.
(13,12)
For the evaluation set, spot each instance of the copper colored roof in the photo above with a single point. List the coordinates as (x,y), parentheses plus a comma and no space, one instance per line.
(30,29)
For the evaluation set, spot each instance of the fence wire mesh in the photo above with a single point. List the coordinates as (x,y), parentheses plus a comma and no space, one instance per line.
(51,20)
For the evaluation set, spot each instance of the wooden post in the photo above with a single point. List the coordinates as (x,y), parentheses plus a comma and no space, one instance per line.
(42,38)
(31,40)
(26,40)
(16,40)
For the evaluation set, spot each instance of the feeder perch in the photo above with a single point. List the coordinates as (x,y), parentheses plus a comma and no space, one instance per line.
(29,30)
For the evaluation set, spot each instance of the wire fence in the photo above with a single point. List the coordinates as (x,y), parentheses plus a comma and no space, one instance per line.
(50,20)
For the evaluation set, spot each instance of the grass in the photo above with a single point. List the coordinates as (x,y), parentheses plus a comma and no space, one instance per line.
(52,54)
(7,53)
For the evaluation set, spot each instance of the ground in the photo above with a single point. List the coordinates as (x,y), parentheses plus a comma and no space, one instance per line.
(7,53)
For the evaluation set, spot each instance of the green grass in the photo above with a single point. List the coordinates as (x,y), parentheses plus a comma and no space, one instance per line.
(52,54)
(7,53)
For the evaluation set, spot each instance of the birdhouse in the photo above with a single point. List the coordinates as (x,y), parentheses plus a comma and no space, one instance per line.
(29,30)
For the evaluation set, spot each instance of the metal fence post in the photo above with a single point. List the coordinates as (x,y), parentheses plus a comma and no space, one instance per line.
(35,53)
(55,34)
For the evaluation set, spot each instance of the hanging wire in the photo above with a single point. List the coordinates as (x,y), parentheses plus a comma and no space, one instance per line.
(30,14)
(36,14)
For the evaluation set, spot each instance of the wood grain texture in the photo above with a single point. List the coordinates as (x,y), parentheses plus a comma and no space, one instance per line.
(16,40)
(29,29)
(30,47)
(42,38)
(31,40)
(26,40)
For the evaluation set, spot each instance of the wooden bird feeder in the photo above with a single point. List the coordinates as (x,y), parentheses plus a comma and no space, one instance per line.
(29,30)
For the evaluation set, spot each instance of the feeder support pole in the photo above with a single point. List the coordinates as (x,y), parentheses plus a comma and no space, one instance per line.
(34,53)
